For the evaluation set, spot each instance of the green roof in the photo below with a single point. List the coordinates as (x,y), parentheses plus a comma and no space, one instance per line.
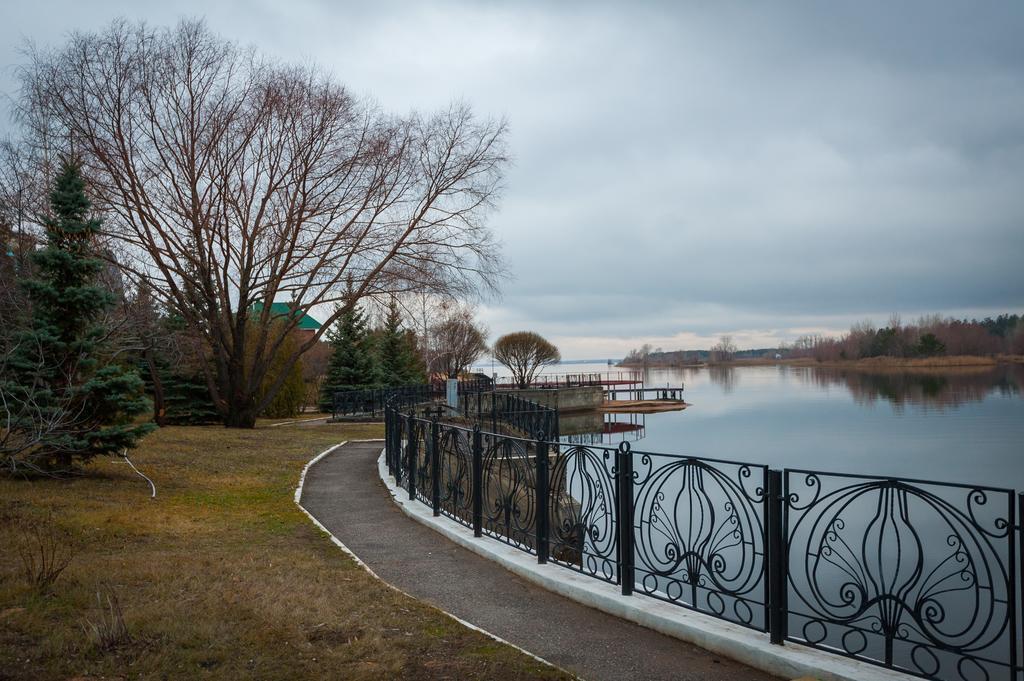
(306,322)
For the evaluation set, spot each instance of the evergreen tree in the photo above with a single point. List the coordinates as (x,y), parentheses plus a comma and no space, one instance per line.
(185,396)
(353,365)
(169,364)
(416,367)
(929,345)
(60,383)
(399,360)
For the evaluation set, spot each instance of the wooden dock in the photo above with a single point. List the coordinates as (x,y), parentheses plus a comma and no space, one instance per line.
(641,406)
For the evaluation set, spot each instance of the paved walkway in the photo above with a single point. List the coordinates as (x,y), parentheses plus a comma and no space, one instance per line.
(344,492)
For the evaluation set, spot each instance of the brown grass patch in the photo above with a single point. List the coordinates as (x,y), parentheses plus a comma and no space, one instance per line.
(220,576)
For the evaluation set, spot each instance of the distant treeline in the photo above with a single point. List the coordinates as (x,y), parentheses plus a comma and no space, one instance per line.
(659,357)
(932,336)
(929,337)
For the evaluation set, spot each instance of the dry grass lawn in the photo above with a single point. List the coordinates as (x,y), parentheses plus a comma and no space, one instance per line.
(220,576)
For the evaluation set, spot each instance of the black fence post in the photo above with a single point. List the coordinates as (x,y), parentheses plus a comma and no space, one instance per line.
(388,448)
(399,450)
(543,494)
(435,467)
(478,482)
(1020,575)
(777,559)
(396,441)
(412,455)
(494,412)
(624,483)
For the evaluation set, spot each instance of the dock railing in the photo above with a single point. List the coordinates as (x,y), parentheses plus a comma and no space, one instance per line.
(624,378)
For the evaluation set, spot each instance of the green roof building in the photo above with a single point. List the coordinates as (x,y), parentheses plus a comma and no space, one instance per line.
(306,323)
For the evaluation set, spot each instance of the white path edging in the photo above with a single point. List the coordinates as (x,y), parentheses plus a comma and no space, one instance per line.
(337,542)
(727,639)
(292,423)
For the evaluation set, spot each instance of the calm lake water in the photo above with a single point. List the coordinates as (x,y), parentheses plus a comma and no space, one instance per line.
(957,426)
(963,425)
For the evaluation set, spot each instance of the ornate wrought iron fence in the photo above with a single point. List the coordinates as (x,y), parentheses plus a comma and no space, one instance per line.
(922,577)
(526,416)
(583,534)
(475,385)
(914,575)
(373,401)
(699,535)
(455,473)
(509,490)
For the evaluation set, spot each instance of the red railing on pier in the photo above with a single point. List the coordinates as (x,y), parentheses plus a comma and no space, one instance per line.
(627,379)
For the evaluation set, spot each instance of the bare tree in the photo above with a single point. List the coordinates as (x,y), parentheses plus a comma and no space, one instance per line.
(456,342)
(425,310)
(20,201)
(231,182)
(645,355)
(524,353)
(724,350)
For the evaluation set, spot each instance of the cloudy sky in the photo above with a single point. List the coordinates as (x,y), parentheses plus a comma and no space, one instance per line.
(684,170)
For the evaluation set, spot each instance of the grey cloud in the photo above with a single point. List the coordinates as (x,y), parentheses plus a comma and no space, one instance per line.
(701,167)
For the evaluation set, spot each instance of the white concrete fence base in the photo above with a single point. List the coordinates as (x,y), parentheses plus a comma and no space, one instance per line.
(719,636)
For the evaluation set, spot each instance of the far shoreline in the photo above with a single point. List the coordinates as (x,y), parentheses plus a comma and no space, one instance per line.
(865,364)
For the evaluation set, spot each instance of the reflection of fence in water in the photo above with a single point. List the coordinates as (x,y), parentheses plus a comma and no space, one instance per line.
(917,576)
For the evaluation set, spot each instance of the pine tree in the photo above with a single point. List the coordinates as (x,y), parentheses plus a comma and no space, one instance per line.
(399,360)
(352,365)
(186,397)
(416,368)
(63,390)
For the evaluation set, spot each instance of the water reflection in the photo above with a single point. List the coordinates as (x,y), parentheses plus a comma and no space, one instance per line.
(946,389)
(954,424)
(723,376)
(595,428)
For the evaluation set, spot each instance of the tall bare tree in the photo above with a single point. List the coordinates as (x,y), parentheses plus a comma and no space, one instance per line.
(231,182)
(456,342)
(22,201)
(723,351)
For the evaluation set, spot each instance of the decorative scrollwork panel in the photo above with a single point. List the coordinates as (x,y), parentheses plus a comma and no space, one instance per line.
(509,490)
(911,575)
(699,535)
(423,472)
(583,532)
(456,460)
